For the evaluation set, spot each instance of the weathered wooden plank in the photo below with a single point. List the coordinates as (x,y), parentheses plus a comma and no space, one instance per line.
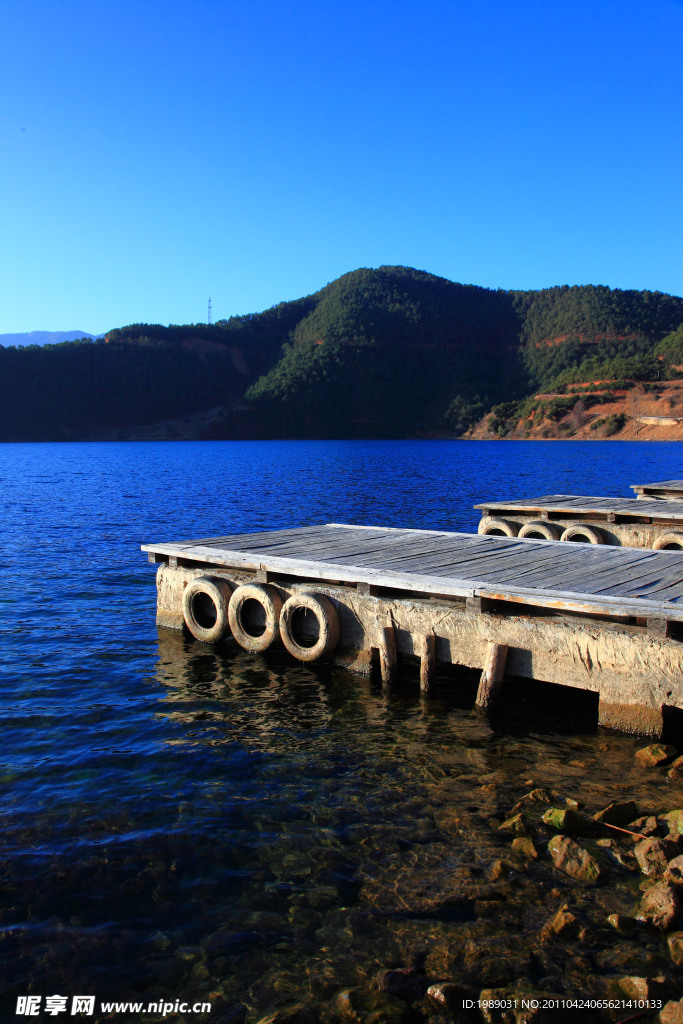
(573,504)
(576,577)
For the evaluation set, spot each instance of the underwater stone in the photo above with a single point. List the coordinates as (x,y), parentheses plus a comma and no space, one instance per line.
(653,855)
(673,822)
(675,942)
(618,812)
(517,824)
(659,906)
(573,860)
(524,846)
(569,821)
(655,754)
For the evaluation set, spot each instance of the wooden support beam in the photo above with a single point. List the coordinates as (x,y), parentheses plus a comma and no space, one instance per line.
(659,628)
(387,654)
(425,648)
(492,675)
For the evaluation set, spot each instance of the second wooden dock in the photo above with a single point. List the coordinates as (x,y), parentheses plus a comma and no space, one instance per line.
(628,522)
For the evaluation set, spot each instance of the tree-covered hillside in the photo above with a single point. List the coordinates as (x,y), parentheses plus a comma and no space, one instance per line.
(377,353)
(386,352)
(562,326)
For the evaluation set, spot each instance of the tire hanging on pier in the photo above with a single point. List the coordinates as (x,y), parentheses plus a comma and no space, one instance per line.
(255,632)
(672,541)
(205,608)
(301,606)
(539,530)
(493,526)
(582,533)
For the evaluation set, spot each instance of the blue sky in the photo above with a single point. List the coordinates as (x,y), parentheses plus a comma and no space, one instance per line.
(153,154)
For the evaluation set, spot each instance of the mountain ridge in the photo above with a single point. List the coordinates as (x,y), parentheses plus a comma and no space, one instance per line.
(384,352)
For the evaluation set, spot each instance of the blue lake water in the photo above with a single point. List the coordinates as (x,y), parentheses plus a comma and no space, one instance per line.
(180,821)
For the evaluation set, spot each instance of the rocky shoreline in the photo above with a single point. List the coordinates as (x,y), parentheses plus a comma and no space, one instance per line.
(577,919)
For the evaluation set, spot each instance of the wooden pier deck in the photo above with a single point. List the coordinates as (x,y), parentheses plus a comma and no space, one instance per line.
(628,522)
(671,490)
(602,618)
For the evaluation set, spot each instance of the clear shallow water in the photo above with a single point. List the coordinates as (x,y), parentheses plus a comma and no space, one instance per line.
(178,820)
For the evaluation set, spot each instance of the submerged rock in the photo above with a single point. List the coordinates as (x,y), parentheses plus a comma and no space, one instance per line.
(517,824)
(499,869)
(524,846)
(448,995)
(621,923)
(673,822)
(675,943)
(653,855)
(624,858)
(574,860)
(356,1006)
(618,812)
(659,906)
(496,962)
(564,925)
(403,982)
(570,822)
(671,1013)
(298,1014)
(674,870)
(646,825)
(655,754)
(634,987)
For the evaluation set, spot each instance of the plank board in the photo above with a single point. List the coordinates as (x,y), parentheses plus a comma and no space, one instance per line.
(672,489)
(573,504)
(580,577)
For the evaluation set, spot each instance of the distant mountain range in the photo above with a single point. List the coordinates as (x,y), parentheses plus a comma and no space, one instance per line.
(378,353)
(45,337)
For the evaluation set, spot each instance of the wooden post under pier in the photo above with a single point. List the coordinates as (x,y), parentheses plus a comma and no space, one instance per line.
(492,675)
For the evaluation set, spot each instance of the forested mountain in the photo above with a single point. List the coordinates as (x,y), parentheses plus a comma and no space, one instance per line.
(377,353)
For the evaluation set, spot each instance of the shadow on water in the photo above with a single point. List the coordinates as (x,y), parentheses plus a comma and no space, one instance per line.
(296,829)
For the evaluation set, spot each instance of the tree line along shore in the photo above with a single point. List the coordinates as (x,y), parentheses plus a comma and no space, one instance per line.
(386,353)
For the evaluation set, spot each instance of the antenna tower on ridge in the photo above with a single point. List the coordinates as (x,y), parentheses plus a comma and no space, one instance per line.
(209,311)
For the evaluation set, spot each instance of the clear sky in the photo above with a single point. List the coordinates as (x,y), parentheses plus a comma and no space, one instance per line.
(153,154)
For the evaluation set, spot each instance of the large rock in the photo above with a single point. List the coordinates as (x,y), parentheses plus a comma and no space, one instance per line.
(574,860)
(571,822)
(659,906)
(646,825)
(674,871)
(675,772)
(672,822)
(653,855)
(618,812)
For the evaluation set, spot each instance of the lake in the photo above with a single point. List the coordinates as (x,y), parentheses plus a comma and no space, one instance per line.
(187,823)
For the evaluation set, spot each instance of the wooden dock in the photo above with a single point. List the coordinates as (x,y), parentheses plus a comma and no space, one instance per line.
(667,490)
(601,618)
(627,522)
